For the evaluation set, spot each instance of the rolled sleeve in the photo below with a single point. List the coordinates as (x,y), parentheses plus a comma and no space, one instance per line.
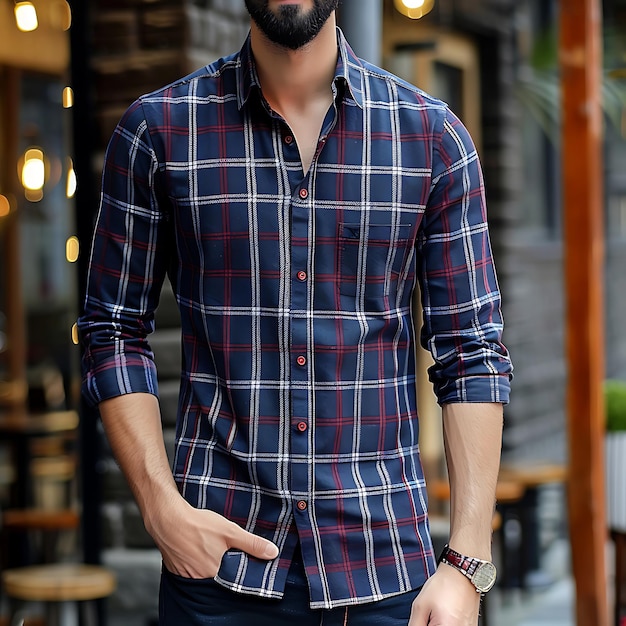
(128,264)
(460,294)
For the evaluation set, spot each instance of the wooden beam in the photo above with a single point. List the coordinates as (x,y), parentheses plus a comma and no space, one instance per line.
(581,70)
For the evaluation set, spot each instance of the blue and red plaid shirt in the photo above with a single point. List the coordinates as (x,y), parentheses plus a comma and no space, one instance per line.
(297,413)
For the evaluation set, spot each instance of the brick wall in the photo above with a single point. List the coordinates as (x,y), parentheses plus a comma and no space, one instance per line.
(138,45)
(531,268)
(528,269)
(141,45)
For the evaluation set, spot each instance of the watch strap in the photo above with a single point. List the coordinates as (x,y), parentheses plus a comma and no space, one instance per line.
(467,565)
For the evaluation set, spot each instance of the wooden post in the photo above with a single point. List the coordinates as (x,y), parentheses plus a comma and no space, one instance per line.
(581,70)
(11,261)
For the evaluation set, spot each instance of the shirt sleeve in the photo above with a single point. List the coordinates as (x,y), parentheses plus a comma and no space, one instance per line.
(129,259)
(460,295)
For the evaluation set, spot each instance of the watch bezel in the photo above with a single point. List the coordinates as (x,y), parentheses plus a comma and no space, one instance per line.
(486,570)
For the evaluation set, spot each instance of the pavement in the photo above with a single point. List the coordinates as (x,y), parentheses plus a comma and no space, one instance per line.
(551,605)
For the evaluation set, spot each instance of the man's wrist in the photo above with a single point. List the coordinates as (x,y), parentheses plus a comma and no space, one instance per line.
(475,544)
(480,572)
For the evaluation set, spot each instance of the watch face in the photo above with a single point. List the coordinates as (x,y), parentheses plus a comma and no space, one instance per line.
(484,577)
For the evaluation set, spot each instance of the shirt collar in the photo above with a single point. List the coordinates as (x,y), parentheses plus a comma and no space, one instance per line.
(348,74)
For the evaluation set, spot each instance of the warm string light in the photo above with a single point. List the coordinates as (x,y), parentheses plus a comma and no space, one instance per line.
(5,206)
(68,98)
(59,15)
(70,189)
(26,16)
(415,9)
(72,249)
(33,169)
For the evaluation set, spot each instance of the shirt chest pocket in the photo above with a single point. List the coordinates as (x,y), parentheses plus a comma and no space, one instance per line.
(373,258)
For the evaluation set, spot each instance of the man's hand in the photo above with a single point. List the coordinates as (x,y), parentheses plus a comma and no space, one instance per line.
(193,541)
(448,598)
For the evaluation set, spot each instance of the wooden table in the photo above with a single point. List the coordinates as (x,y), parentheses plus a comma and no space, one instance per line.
(22,421)
(525,569)
(18,427)
(507,490)
(532,476)
(516,495)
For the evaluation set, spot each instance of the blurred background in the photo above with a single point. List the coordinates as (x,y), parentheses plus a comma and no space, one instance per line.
(68,70)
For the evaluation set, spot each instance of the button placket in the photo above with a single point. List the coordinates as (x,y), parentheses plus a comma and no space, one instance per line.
(301,424)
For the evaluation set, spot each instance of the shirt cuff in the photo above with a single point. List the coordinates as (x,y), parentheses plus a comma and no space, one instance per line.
(476,389)
(119,375)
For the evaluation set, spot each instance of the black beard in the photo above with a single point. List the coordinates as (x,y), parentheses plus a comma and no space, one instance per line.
(291,28)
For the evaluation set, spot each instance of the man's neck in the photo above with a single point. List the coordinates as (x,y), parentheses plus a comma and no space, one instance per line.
(292,78)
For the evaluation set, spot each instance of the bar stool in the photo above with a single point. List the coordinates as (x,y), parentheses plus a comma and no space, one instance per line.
(619,539)
(58,586)
(53,481)
(49,524)
(67,590)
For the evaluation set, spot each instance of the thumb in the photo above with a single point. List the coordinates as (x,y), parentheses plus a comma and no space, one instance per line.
(254,545)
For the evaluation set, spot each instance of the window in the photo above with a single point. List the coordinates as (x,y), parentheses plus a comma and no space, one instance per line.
(538,95)
(39,284)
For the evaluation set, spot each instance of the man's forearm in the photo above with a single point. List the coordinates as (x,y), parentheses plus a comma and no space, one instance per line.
(473,441)
(133,426)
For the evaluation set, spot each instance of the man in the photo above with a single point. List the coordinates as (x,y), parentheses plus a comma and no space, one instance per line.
(296,195)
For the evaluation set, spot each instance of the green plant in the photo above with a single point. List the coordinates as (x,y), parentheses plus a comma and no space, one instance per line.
(538,87)
(615,399)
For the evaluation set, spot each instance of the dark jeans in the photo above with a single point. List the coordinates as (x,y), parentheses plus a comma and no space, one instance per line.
(185,602)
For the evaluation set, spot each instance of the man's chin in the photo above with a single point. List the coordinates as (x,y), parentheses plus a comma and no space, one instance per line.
(289,25)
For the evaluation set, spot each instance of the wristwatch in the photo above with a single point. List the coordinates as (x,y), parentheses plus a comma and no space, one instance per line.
(482,574)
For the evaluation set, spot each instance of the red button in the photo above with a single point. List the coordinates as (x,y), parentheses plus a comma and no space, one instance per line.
(304,194)
(288,139)
(301,275)
(302,426)
(302,505)
(301,360)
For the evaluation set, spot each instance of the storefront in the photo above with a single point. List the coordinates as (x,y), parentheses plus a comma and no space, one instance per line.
(37,183)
